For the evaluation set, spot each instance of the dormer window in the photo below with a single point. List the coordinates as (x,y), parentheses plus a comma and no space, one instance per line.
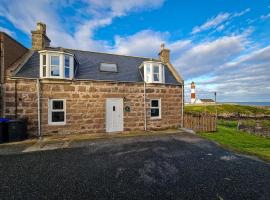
(108,67)
(56,65)
(154,72)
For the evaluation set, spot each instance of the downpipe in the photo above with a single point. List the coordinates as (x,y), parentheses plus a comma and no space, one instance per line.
(183,104)
(144,99)
(38,109)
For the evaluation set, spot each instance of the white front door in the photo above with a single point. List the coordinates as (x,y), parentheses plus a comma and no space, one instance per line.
(114,114)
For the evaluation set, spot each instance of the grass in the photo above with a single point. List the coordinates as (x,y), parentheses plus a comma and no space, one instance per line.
(227,108)
(228,136)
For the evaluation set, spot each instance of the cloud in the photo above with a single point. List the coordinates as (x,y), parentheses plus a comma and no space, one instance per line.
(143,43)
(238,14)
(9,32)
(122,7)
(147,43)
(205,57)
(92,15)
(211,23)
(218,21)
(264,17)
(247,75)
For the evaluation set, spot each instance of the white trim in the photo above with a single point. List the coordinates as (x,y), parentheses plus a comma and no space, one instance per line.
(50,110)
(56,52)
(71,63)
(159,107)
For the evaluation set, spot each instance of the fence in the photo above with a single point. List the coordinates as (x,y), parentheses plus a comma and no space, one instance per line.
(200,122)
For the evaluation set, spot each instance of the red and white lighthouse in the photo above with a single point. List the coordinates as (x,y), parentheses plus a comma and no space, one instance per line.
(193,95)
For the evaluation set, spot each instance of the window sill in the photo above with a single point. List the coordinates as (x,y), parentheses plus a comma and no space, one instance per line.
(155,82)
(57,123)
(55,77)
(155,118)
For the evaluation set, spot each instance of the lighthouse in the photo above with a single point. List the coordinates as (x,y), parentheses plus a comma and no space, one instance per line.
(193,95)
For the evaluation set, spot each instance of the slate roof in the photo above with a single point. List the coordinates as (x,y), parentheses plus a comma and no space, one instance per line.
(88,63)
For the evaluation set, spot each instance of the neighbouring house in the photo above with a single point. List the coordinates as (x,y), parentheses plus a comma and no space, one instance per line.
(205,101)
(195,100)
(70,91)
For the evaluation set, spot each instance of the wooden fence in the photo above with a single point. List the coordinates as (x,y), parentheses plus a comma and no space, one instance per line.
(200,122)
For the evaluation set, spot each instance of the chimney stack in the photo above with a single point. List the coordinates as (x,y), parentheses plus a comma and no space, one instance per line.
(39,38)
(164,54)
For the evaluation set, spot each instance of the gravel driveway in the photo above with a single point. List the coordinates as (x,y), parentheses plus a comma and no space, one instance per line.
(180,166)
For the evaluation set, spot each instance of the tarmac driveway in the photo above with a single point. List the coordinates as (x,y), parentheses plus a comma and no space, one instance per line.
(180,166)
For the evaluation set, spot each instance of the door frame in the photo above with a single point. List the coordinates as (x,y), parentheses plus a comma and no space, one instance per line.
(121,122)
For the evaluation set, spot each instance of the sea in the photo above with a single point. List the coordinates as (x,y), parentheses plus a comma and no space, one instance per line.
(249,103)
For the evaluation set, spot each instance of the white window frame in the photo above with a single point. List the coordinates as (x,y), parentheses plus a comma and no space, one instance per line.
(159,107)
(149,78)
(48,55)
(44,65)
(50,110)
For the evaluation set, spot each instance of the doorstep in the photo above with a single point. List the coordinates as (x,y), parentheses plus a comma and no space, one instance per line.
(64,141)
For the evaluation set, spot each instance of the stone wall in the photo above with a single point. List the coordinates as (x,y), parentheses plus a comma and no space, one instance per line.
(85,104)
(26,100)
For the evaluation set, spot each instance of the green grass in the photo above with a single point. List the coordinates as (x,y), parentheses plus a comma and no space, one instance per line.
(229,137)
(227,108)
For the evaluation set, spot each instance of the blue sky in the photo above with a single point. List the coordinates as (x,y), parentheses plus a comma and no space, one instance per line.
(222,45)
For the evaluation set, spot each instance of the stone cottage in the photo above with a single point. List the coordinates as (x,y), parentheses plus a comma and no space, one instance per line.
(69,91)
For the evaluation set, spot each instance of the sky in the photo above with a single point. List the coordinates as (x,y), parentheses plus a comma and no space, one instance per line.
(221,45)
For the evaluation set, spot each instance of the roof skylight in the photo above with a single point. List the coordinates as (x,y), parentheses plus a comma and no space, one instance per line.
(108,67)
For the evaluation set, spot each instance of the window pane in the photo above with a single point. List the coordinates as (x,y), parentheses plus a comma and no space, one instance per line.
(58,116)
(44,59)
(156,77)
(55,71)
(156,69)
(55,60)
(67,61)
(44,71)
(148,68)
(66,72)
(154,103)
(154,112)
(58,105)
